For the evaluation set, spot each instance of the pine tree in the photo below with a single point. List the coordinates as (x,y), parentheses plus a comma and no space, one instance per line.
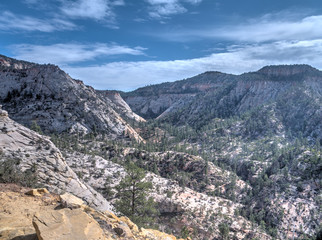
(133,200)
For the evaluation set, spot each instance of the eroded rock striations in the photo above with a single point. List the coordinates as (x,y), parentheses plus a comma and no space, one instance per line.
(57,103)
(35,155)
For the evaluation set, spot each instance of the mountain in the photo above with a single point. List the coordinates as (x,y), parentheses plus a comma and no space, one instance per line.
(294,90)
(264,126)
(49,97)
(228,156)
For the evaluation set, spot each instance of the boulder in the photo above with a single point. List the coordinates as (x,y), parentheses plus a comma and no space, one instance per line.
(37,192)
(70,201)
(66,224)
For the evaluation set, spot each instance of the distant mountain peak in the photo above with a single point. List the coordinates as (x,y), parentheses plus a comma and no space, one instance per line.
(287,70)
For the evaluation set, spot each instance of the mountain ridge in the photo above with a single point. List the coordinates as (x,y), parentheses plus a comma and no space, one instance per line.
(57,103)
(247,144)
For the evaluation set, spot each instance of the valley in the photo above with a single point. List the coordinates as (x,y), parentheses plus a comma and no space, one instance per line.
(228,156)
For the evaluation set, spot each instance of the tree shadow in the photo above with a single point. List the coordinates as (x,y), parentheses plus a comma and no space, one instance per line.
(26,237)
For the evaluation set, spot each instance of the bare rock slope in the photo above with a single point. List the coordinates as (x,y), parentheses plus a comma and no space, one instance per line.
(34,155)
(47,95)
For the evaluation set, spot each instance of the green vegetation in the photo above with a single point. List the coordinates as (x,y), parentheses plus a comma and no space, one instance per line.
(134,202)
(10,174)
(224,230)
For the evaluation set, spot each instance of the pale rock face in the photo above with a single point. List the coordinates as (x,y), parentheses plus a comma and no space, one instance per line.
(294,89)
(58,103)
(120,105)
(34,150)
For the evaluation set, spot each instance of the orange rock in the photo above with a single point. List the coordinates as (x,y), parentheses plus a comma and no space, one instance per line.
(37,192)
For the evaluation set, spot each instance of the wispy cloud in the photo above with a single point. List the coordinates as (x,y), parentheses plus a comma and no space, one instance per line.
(263,29)
(159,9)
(131,75)
(11,21)
(100,10)
(62,54)
(267,30)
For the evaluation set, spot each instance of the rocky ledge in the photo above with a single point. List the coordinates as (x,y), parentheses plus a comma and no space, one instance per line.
(37,214)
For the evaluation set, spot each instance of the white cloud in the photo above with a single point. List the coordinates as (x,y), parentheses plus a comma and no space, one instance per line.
(306,28)
(164,8)
(11,21)
(238,59)
(101,10)
(263,29)
(62,54)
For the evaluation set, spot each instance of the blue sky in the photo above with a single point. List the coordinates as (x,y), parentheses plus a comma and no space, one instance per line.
(126,44)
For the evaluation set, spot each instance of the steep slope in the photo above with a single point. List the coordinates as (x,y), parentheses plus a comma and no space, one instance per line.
(120,105)
(151,101)
(296,90)
(32,159)
(57,103)
(183,210)
(265,126)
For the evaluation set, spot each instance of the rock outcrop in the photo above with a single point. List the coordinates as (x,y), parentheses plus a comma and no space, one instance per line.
(34,155)
(46,95)
(44,218)
(180,207)
(66,224)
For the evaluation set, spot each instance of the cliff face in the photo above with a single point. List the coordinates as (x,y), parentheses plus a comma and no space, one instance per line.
(36,160)
(265,126)
(296,91)
(47,95)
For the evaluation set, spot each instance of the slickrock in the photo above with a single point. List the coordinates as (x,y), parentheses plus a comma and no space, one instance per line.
(67,224)
(17,210)
(29,153)
(30,217)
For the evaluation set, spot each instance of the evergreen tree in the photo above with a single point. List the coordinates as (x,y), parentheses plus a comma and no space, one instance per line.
(133,200)
(224,230)
(35,127)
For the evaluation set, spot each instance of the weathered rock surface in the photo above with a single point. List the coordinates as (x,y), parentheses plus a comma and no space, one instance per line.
(70,201)
(43,218)
(179,207)
(33,153)
(66,224)
(120,105)
(17,210)
(37,192)
(47,95)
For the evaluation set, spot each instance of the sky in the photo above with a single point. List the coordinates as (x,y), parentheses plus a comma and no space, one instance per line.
(127,44)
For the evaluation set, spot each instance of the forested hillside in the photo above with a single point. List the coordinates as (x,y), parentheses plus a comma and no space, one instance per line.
(219,156)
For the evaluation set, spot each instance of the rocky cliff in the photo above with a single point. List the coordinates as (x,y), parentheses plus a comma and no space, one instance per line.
(295,90)
(32,159)
(46,95)
(228,156)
